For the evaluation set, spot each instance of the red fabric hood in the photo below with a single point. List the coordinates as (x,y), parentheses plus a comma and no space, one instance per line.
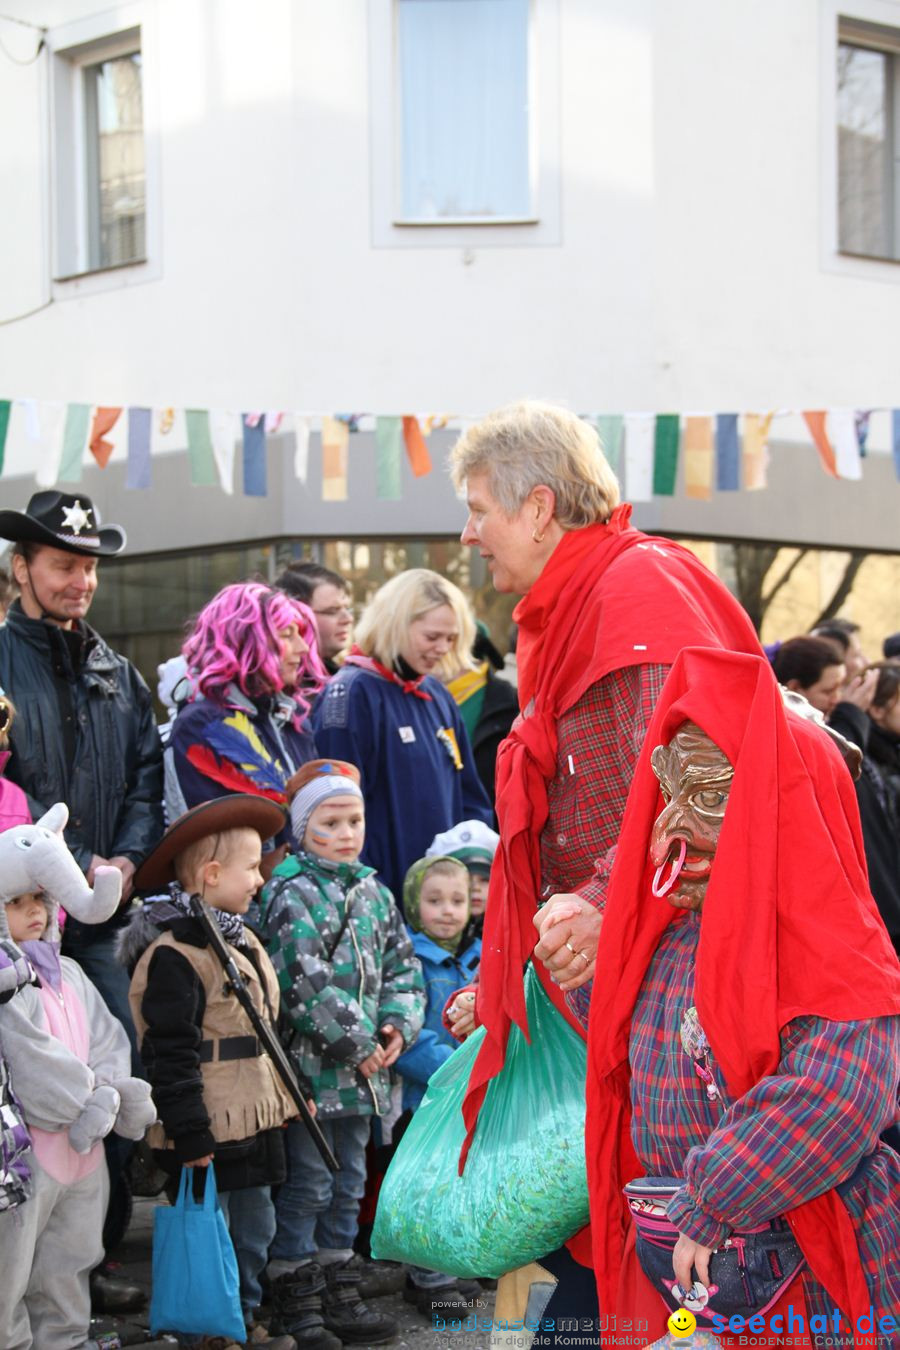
(789,929)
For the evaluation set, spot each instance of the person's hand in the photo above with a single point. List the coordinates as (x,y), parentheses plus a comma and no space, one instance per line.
(372,1063)
(462,1014)
(393,1044)
(200,1162)
(96,861)
(569,931)
(687,1257)
(126,867)
(860,690)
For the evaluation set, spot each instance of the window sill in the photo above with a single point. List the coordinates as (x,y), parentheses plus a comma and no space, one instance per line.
(101,271)
(456,222)
(98,281)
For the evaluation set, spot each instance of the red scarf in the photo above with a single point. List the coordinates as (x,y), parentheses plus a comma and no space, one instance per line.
(789,929)
(357,657)
(609,597)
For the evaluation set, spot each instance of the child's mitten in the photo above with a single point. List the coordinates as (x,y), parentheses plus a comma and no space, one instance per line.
(96,1120)
(136,1111)
(15,971)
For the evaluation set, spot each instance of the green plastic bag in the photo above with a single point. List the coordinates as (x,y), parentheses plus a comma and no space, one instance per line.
(524,1189)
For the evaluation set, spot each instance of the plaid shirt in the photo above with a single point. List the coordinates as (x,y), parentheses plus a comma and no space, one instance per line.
(797,1133)
(598,742)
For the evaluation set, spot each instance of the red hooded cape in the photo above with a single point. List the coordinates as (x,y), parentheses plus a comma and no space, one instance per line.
(609,597)
(789,929)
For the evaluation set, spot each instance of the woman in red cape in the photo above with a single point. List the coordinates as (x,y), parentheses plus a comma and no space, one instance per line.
(797,989)
(606,610)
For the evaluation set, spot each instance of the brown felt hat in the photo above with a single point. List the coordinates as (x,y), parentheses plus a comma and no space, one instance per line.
(238,811)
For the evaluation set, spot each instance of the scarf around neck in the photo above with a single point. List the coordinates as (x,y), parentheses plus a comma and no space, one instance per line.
(177,905)
(357,657)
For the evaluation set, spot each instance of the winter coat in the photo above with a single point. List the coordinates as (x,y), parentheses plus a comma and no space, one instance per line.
(13,802)
(241,745)
(402,745)
(878,794)
(346,968)
(498,712)
(84,734)
(211,1098)
(445,972)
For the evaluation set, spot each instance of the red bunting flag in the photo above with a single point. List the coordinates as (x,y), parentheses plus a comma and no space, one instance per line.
(104,421)
(416,449)
(816,423)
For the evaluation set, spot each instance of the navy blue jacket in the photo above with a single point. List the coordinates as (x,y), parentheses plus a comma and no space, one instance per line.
(412,788)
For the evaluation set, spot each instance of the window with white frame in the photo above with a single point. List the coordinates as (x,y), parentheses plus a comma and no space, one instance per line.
(100,157)
(464,111)
(464,117)
(868,139)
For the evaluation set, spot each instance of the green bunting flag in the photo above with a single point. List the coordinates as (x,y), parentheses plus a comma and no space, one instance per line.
(609,429)
(75,435)
(388,458)
(665,454)
(200,450)
(5,406)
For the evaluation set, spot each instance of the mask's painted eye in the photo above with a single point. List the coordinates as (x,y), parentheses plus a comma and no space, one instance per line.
(709,800)
(24,843)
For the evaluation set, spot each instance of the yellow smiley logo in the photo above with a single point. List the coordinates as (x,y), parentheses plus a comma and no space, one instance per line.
(682,1323)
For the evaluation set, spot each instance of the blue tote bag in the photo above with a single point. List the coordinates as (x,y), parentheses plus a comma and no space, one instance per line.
(195,1276)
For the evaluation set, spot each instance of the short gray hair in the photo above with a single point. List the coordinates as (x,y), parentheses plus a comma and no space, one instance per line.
(528,444)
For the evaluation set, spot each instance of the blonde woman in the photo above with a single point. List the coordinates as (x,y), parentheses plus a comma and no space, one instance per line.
(388,713)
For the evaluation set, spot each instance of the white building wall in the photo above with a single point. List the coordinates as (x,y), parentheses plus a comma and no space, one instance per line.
(693,270)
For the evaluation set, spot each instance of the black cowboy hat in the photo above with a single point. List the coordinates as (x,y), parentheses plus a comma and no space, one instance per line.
(62,521)
(237,811)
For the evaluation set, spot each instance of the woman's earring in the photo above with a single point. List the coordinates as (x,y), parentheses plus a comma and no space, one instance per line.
(538,538)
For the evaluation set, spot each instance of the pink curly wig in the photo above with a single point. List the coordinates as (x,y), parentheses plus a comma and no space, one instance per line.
(234,640)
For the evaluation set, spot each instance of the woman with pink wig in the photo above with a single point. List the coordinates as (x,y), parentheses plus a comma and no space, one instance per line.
(252,663)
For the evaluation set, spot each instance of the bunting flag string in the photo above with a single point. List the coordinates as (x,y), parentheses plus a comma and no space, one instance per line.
(659,455)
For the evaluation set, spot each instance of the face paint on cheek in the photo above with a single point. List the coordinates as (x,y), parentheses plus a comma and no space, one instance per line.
(320,835)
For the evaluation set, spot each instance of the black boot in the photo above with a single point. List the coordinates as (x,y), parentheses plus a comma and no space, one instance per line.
(344,1312)
(297,1308)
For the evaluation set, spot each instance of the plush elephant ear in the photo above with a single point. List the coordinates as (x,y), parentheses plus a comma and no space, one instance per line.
(55,819)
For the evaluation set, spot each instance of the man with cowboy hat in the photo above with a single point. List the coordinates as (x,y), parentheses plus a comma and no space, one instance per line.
(84,733)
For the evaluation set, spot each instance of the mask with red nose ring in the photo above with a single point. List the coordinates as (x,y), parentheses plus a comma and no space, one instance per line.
(695,778)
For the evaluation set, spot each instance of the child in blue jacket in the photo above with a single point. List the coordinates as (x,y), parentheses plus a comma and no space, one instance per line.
(436,895)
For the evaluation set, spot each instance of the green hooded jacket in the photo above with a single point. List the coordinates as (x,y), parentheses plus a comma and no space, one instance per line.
(346,968)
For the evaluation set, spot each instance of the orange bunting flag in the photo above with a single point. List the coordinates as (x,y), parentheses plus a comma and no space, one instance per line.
(816,423)
(698,457)
(756,450)
(104,421)
(335,444)
(416,449)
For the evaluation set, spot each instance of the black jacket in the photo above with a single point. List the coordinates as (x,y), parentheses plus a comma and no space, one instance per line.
(498,712)
(878,794)
(84,734)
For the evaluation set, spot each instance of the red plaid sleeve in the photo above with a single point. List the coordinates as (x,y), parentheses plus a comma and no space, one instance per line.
(795,1134)
(599,740)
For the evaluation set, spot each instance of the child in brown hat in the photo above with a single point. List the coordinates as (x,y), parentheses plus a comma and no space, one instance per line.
(217,1092)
